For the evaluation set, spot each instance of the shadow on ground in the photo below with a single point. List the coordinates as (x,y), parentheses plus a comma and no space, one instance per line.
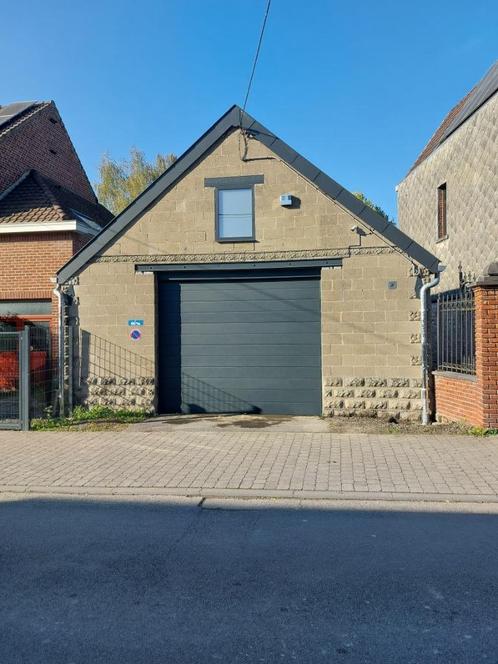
(294,424)
(149,582)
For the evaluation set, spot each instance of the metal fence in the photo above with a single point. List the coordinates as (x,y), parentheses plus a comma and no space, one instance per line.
(42,378)
(27,381)
(14,351)
(453,324)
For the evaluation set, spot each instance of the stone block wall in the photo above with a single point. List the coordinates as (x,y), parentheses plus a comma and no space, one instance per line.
(467,162)
(371,352)
(397,398)
(118,392)
(370,306)
(109,368)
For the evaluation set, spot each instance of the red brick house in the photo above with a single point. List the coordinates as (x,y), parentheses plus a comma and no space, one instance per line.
(48,211)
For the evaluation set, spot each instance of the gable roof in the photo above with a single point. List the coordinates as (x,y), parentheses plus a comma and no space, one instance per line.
(35,198)
(472,101)
(235,118)
(13,114)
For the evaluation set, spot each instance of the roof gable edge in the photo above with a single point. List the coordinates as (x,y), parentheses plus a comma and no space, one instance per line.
(235,117)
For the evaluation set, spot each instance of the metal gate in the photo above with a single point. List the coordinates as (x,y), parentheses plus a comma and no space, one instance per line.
(14,380)
(27,387)
(42,388)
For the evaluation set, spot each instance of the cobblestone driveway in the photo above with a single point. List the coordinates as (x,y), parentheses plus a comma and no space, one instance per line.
(249,463)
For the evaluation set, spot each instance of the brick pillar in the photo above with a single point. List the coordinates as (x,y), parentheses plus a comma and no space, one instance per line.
(486,328)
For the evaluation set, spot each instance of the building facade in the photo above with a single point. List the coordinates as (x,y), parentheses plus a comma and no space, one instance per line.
(246,280)
(48,211)
(448,202)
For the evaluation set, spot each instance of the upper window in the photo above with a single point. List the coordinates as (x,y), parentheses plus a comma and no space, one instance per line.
(234,205)
(234,217)
(441,212)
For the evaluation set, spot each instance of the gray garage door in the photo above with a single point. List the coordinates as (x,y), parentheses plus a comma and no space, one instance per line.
(248,344)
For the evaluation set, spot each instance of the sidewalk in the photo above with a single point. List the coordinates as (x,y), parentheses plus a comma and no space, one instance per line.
(241,463)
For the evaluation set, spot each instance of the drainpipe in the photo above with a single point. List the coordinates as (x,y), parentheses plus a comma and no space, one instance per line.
(424,294)
(60,347)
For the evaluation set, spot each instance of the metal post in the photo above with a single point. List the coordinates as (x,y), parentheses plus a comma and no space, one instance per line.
(70,355)
(24,378)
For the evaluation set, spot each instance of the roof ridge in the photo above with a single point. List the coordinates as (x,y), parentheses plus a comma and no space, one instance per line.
(15,184)
(480,93)
(50,183)
(41,181)
(23,115)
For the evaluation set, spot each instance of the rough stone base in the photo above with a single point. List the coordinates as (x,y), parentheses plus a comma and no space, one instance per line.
(385,398)
(118,392)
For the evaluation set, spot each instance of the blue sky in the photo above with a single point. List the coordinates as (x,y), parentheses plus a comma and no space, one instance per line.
(357,88)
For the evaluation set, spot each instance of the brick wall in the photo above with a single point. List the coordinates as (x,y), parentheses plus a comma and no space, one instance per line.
(458,398)
(487,352)
(474,399)
(29,261)
(40,143)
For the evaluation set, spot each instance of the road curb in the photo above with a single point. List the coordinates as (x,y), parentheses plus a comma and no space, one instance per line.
(202,493)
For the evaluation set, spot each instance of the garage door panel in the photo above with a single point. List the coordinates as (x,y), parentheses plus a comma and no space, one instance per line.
(250,316)
(213,330)
(241,361)
(249,345)
(278,350)
(232,338)
(251,373)
(256,293)
(244,306)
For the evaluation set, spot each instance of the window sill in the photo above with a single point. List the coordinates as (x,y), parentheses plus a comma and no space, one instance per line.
(234,240)
(441,239)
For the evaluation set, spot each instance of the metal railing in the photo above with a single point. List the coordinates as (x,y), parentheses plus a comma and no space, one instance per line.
(453,324)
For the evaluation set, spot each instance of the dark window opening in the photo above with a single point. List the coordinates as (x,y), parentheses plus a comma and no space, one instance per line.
(53,121)
(52,151)
(441,212)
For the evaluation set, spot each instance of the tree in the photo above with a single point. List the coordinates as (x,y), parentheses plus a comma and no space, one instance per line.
(122,181)
(371,204)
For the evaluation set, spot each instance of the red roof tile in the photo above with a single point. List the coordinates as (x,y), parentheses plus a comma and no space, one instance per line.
(36,199)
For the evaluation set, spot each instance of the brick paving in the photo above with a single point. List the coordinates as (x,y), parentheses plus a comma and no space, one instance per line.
(249,463)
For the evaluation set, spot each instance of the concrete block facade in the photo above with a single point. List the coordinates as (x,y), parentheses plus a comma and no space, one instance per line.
(467,161)
(370,307)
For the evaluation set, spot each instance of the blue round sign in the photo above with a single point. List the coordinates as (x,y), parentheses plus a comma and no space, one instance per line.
(135,335)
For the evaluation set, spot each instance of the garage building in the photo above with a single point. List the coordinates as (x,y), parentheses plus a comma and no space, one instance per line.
(246,280)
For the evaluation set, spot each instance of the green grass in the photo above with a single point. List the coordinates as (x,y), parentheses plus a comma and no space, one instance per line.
(95,418)
(482,431)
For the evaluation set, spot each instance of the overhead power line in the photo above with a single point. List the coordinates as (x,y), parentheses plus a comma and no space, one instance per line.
(260,41)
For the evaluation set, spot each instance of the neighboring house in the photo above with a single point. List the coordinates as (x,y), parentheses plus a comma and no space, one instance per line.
(449,200)
(244,279)
(48,211)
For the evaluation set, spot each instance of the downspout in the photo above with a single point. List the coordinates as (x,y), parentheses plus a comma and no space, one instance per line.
(424,294)
(60,347)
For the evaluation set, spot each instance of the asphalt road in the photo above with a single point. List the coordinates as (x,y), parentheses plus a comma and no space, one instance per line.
(144,582)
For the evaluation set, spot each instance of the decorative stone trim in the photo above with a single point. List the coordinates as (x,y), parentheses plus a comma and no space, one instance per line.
(373,396)
(248,256)
(118,392)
